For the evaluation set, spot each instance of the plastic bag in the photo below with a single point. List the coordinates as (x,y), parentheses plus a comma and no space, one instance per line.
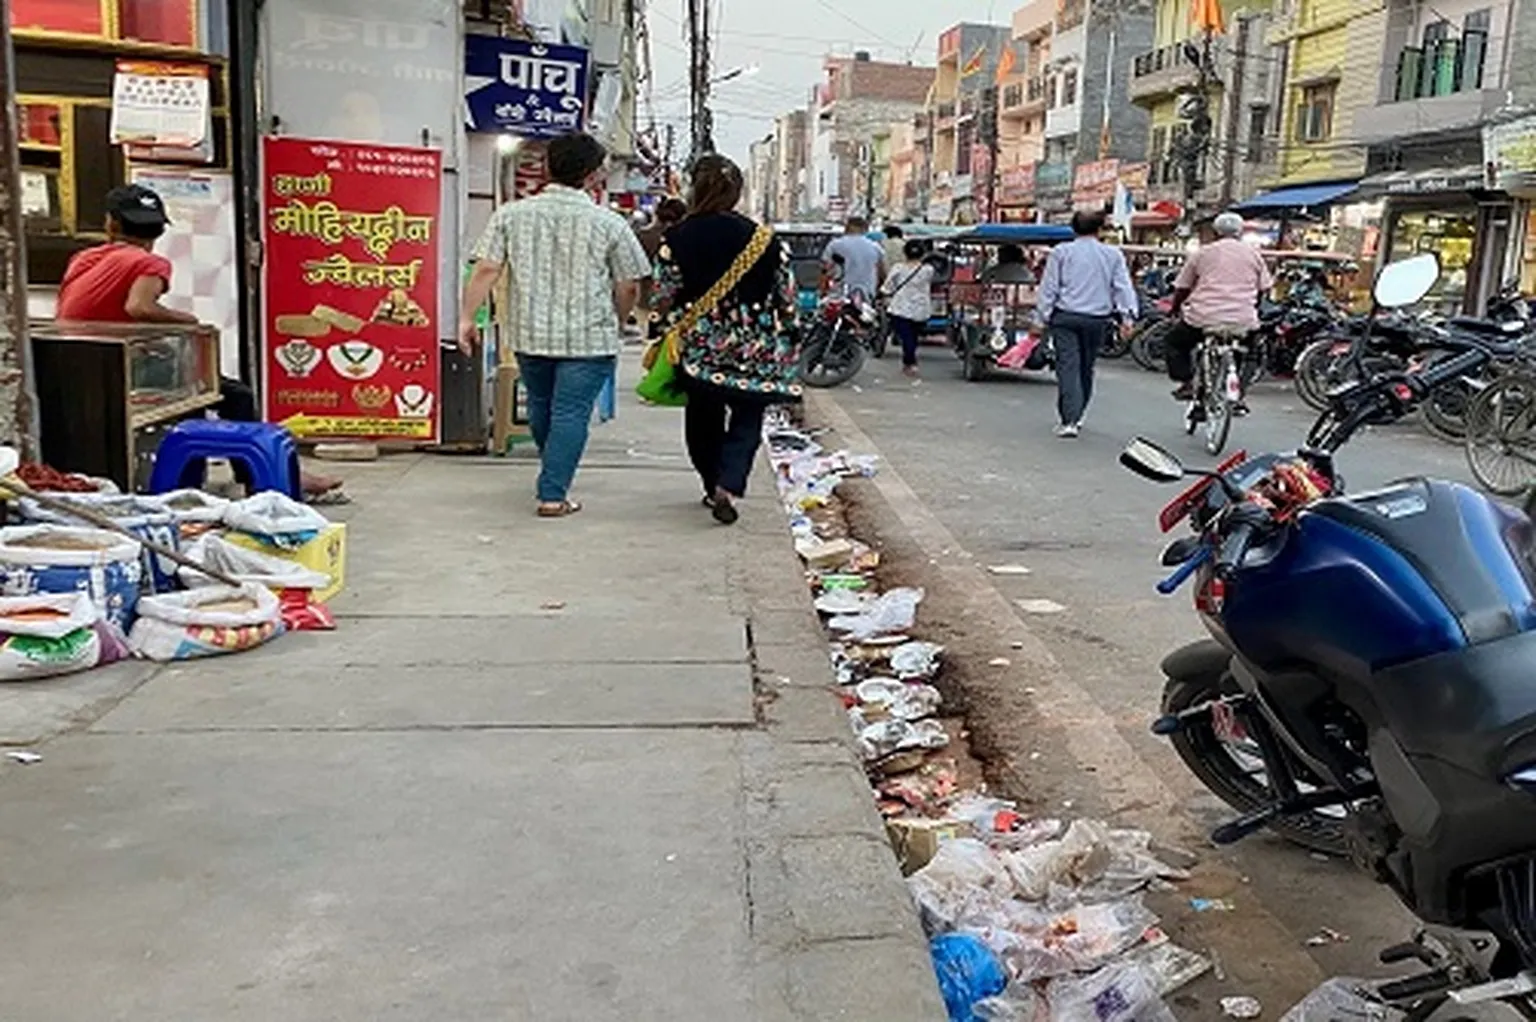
(894,611)
(964,882)
(246,565)
(146,517)
(301,613)
(1019,1003)
(888,736)
(1339,1000)
(61,559)
(195,512)
(205,622)
(45,636)
(913,661)
(276,518)
(1115,993)
(967,972)
(1080,856)
(1037,943)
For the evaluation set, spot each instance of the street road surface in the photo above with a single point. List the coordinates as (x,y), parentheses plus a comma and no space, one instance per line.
(982,458)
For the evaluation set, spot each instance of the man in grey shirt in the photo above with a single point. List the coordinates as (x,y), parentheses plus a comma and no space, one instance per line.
(1084,288)
(855,262)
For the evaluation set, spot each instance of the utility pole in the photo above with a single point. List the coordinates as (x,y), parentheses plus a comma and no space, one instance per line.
(666,157)
(987,121)
(17,418)
(701,119)
(869,180)
(1195,109)
(1234,110)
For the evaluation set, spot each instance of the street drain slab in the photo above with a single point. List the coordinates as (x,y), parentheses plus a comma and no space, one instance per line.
(377,877)
(190,697)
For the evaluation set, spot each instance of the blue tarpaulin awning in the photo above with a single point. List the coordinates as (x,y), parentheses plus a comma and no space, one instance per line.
(1297,197)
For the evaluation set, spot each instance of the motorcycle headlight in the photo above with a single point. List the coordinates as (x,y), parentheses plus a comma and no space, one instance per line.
(1523,779)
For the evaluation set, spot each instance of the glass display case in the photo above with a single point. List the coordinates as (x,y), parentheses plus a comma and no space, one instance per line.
(106,391)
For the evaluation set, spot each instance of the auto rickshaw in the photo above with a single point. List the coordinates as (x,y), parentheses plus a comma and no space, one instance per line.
(990,298)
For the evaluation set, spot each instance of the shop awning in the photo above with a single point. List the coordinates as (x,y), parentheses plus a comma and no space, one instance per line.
(1297,197)
(1466,178)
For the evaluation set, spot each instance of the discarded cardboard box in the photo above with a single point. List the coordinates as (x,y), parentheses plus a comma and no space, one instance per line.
(916,841)
(824,553)
(326,553)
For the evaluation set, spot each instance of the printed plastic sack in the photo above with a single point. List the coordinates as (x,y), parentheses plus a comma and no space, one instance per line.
(1017,355)
(1019,1003)
(145,517)
(301,613)
(1038,943)
(45,636)
(968,972)
(1116,993)
(59,559)
(245,565)
(276,518)
(205,622)
(964,883)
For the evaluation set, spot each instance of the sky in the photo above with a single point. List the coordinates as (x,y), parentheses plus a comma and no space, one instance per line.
(786,41)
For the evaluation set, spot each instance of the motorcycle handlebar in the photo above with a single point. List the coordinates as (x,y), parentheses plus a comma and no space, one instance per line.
(1234,547)
(1453,368)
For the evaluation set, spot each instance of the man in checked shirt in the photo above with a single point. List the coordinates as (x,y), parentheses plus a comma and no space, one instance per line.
(1084,289)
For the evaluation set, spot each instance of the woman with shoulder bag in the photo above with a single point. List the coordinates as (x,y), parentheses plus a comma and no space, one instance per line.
(723,284)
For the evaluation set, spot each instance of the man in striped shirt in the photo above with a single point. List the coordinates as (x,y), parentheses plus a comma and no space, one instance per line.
(573,272)
(1085,287)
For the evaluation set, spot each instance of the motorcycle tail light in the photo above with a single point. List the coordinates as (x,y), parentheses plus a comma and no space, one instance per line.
(1179,507)
(1211,597)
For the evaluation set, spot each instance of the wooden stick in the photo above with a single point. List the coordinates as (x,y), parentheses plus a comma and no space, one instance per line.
(18,488)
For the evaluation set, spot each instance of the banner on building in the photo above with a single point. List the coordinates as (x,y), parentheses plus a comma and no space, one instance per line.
(1016,185)
(1093,184)
(513,86)
(1510,150)
(351,237)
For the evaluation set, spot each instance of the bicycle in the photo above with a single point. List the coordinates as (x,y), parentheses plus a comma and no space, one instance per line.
(1218,385)
(1501,433)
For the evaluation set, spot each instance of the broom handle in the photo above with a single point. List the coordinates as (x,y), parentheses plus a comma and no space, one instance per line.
(101,521)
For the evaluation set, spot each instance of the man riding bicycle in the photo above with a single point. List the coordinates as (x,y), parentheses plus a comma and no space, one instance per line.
(1219,288)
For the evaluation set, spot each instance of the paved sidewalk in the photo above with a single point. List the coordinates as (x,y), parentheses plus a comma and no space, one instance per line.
(467,804)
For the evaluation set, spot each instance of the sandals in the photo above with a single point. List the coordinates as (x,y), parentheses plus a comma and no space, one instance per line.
(563,509)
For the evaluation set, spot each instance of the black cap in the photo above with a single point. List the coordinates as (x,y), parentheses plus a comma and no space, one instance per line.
(137,205)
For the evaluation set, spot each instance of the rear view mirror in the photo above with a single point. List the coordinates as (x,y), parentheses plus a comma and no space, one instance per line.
(1150,461)
(1406,281)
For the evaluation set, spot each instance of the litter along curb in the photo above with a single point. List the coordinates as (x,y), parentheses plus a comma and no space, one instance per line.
(1025,915)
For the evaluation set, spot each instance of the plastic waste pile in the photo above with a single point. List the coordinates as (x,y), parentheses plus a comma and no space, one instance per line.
(74,597)
(1031,920)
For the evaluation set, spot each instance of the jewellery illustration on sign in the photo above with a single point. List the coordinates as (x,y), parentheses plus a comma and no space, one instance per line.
(414,402)
(299,358)
(356,360)
(371,397)
(409,360)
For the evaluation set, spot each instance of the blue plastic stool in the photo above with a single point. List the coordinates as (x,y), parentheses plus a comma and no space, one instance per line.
(267,452)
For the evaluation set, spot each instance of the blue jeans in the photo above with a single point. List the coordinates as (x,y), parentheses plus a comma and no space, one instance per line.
(561,393)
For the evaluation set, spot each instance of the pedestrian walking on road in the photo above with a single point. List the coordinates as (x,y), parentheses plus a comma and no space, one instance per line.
(1085,287)
(573,276)
(908,291)
(723,282)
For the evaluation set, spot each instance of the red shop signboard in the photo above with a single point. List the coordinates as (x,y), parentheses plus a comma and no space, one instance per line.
(350,235)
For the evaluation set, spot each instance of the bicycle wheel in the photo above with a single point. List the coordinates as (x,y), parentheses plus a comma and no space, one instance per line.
(1501,436)
(1218,405)
(1444,411)
(1147,346)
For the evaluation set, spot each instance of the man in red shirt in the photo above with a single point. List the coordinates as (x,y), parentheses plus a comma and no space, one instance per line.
(123,282)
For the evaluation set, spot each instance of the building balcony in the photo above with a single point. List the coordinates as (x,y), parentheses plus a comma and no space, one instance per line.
(1024,97)
(1157,74)
(1064,120)
(1445,87)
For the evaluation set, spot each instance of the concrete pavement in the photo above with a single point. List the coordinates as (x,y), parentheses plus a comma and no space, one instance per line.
(583,769)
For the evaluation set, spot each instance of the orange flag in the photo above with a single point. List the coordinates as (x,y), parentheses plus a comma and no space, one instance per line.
(1007,64)
(976,63)
(1207,16)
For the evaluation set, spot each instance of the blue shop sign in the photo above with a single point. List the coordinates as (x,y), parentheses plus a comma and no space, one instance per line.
(513,86)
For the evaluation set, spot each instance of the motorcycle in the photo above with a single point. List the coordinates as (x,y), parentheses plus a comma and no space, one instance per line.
(838,340)
(1365,689)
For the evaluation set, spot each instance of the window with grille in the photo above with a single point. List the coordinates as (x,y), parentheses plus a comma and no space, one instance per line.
(1258,129)
(1314,114)
(1069,88)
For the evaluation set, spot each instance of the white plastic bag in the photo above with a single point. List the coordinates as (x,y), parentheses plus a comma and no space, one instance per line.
(964,882)
(194,508)
(47,635)
(1115,993)
(276,518)
(245,565)
(1340,998)
(894,611)
(205,622)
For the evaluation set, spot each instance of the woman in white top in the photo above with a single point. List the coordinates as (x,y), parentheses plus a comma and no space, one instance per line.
(909,302)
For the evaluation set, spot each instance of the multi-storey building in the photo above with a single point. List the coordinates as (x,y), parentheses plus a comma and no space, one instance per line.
(1021,109)
(761,193)
(790,156)
(852,110)
(1241,98)
(968,60)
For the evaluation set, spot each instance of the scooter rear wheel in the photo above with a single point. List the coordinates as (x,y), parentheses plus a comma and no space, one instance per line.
(1238,784)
